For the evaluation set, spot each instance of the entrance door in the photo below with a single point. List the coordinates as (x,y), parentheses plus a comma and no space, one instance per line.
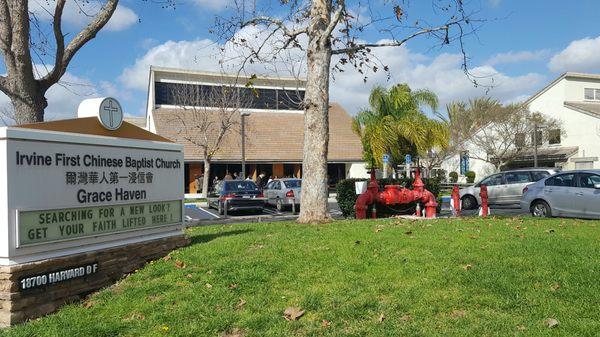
(587,197)
(515,182)
(494,187)
(560,194)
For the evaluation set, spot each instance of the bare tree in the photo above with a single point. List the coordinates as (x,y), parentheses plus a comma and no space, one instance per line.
(24,42)
(464,120)
(323,29)
(210,114)
(505,133)
(7,115)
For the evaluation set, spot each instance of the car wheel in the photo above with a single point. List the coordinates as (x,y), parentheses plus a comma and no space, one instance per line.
(220,209)
(279,205)
(541,209)
(469,202)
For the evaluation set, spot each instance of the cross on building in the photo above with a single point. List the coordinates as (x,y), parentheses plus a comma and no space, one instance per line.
(111,111)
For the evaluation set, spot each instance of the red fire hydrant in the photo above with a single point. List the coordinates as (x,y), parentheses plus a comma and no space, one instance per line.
(483,193)
(456,200)
(393,195)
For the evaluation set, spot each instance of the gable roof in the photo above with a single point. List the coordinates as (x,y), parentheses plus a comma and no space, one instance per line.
(588,108)
(568,74)
(270,136)
(91,126)
(137,121)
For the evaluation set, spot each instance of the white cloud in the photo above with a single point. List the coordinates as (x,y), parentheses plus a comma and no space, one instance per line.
(516,57)
(82,13)
(197,54)
(580,55)
(64,97)
(122,18)
(207,55)
(442,74)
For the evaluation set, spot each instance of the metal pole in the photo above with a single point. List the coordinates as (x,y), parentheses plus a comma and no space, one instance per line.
(535,145)
(243,146)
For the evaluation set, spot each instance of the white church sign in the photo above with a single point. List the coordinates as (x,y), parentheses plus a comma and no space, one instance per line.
(72,203)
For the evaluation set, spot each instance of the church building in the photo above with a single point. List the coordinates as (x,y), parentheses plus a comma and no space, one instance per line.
(270,109)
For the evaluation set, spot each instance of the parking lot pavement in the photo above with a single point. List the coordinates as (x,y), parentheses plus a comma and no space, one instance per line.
(498,210)
(194,213)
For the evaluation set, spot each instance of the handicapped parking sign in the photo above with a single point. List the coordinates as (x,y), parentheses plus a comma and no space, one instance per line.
(386,158)
(407,159)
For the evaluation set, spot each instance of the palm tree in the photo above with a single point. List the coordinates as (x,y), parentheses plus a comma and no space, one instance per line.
(396,124)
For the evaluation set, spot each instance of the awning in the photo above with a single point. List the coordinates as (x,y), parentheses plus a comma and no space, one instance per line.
(558,154)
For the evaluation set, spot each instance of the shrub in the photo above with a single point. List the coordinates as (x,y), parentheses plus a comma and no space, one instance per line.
(441,175)
(346,195)
(470,177)
(453,177)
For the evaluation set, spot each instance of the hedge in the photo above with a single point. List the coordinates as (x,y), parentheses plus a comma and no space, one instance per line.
(346,195)
(470,177)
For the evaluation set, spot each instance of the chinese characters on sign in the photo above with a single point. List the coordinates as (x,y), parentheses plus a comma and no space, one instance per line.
(94,177)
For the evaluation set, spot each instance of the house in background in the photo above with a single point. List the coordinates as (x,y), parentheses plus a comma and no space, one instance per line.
(574,100)
(274,127)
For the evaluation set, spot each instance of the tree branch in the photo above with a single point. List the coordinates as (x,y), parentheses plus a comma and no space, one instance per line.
(396,43)
(272,21)
(334,20)
(6,35)
(58,35)
(78,41)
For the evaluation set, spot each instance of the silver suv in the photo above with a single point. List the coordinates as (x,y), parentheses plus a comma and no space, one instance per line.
(504,188)
(571,194)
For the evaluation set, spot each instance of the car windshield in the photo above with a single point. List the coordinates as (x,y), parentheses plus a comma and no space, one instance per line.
(243,185)
(292,183)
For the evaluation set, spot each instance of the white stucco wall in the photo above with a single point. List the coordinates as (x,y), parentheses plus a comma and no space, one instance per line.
(574,88)
(356,170)
(581,130)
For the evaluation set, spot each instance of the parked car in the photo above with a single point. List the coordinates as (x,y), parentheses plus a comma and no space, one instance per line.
(504,188)
(569,194)
(283,193)
(236,195)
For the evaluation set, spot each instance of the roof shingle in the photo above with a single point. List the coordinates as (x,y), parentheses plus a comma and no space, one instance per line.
(270,136)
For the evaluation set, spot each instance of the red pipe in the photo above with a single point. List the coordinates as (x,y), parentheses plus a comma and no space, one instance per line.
(393,195)
(483,193)
(456,200)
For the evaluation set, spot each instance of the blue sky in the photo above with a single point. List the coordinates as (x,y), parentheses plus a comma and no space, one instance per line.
(523,46)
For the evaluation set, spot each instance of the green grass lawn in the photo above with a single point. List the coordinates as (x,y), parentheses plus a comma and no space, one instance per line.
(472,277)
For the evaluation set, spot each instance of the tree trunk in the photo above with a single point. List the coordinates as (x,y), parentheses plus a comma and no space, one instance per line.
(29,105)
(316,118)
(206,179)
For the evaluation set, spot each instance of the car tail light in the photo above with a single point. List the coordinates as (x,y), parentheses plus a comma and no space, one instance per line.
(525,189)
(290,194)
(260,195)
(227,196)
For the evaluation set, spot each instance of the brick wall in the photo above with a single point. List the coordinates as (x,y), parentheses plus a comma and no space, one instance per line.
(17,306)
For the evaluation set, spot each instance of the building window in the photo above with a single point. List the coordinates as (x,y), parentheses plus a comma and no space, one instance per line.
(591,94)
(520,140)
(538,138)
(252,98)
(554,136)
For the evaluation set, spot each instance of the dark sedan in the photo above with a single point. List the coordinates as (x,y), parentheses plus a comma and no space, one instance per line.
(236,195)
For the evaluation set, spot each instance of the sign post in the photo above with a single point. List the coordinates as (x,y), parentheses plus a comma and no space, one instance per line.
(407,163)
(386,160)
(81,208)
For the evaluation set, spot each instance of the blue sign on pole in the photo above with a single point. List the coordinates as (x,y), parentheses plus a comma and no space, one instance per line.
(464,162)
(386,158)
(407,159)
